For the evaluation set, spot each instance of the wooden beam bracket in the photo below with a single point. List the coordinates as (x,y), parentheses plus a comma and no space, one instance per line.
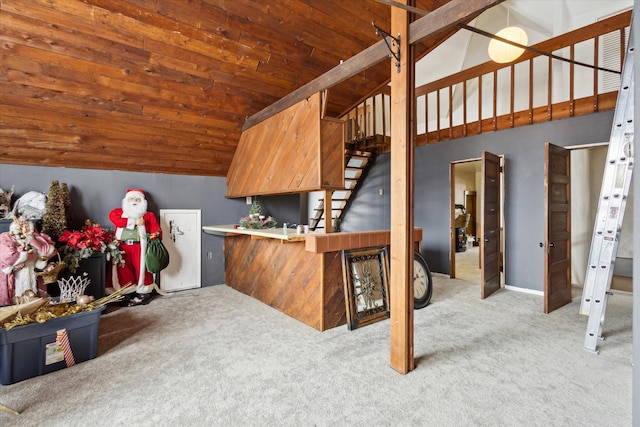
(395,43)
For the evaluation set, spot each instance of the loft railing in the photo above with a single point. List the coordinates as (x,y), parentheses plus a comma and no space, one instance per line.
(368,124)
(493,96)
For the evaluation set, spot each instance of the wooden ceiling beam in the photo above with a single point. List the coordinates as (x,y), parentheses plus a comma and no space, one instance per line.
(349,68)
(447,16)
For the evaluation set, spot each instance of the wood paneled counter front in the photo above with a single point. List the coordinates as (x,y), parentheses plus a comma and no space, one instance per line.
(299,275)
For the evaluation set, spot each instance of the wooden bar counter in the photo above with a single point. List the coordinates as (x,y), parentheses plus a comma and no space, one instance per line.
(299,275)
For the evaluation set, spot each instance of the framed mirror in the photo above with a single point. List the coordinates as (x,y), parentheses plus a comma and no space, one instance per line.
(366,275)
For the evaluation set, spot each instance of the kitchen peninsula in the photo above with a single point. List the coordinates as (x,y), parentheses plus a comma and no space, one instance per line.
(297,274)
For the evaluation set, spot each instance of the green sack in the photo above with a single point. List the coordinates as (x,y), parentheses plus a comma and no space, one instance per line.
(157,256)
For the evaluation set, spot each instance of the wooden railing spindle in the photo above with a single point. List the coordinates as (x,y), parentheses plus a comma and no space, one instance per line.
(464,108)
(595,73)
(438,112)
(549,90)
(450,112)
(494,117)
(571,82)
(367,126)
(480,103)
(531,91)
(513,95)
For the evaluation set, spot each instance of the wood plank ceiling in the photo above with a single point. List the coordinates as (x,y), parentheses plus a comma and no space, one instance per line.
(165,85)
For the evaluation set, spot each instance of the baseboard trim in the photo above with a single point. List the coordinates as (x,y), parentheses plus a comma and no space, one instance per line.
(524,290)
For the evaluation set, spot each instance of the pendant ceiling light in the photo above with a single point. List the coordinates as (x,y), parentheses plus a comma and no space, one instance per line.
(502,52)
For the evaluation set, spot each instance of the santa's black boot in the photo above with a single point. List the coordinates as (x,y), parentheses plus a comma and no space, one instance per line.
(126,300)
(140,299)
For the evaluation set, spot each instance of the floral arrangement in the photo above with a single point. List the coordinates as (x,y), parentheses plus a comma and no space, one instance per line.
(256,220)
(82,244)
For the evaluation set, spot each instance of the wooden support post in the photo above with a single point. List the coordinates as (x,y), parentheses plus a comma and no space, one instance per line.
(402,144)
(328,211)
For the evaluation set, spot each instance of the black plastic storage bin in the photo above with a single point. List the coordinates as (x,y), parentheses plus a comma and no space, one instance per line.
(23,348)
(96,269)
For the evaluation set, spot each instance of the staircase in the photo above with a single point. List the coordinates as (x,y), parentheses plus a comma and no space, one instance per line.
(356,163)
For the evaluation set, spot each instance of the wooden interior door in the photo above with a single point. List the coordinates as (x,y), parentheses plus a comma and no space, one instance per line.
(557,243)
(452,229)
(490,225)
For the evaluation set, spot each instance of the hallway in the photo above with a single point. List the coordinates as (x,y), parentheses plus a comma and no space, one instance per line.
(468,264)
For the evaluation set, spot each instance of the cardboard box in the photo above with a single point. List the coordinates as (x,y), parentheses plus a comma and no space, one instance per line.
(23,349)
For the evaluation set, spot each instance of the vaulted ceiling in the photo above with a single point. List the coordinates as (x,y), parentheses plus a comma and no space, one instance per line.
(166,85)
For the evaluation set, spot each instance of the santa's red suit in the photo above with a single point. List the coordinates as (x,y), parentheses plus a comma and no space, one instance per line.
(134,227)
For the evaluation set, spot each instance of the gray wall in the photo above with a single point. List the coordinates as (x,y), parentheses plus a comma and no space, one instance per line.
(523,149)
(95,192)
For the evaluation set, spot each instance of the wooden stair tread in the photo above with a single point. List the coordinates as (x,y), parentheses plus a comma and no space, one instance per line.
(352,173)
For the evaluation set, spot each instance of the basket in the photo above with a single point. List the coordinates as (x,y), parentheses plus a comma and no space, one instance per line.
(72,287)
(51,275)
(462,221)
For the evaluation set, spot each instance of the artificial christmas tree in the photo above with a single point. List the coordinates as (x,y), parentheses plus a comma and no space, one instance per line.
(54,220)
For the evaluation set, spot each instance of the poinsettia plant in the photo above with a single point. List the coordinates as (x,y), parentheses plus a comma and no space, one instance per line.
(81,244)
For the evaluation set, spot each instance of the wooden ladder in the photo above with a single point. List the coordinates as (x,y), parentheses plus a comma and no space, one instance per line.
(356,163)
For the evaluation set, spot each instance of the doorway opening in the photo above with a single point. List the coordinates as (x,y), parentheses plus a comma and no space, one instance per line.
(466,195)
(587,170)
(477,222)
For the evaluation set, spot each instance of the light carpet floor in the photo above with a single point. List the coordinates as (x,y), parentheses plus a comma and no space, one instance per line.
(215,357)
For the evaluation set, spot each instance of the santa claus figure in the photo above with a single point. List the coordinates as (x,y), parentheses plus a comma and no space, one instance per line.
(134,228)
(22,251)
